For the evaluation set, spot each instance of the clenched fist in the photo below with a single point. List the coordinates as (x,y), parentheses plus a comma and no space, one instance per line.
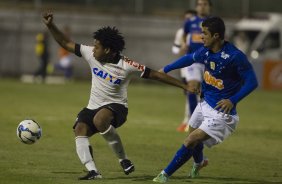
(47,17)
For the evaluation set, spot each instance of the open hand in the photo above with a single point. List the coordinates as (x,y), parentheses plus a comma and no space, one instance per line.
(193,87)
(161,70)
(47,17)
(224,106)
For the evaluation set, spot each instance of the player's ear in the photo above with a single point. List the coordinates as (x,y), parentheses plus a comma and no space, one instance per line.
(107,50)
(216,36)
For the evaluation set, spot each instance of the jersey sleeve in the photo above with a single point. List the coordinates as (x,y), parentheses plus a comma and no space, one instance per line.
(247,75)
(187,60)
(136,69)
(182,62)
(199,55)
(84,51)
(187,27)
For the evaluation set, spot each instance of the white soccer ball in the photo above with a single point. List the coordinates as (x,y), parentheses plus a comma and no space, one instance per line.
(29,131)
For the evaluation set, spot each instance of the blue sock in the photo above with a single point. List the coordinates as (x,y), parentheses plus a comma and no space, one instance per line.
(198,153)
(181,156)
(192,102)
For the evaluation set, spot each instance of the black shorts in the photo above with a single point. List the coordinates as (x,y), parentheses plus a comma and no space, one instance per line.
(87,115)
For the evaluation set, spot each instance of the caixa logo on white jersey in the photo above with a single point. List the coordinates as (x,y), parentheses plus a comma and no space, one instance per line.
(106,76)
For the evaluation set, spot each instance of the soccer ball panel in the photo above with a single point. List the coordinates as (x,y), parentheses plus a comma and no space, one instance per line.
(26,137)
(28,131)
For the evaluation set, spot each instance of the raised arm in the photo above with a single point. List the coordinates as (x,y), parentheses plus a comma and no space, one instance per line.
(61,39)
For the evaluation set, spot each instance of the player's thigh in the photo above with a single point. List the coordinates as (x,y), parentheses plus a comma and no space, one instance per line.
(194,73)
(195,137)
(82,129)
(102,119)
(217,125)
(183,72)
(196,118)
(83,125)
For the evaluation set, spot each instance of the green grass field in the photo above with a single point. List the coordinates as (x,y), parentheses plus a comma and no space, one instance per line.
(251,155)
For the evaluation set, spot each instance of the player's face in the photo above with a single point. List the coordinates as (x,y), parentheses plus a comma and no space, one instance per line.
(207,38)
(203,8)
(99,52)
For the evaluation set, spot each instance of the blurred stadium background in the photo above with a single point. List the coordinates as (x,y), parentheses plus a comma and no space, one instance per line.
(148,26)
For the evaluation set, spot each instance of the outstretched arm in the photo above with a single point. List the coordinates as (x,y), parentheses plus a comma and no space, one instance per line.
(182,62)
(61,39)
(162,77)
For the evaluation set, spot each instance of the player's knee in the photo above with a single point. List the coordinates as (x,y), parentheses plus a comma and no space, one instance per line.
(101,123)
(102,120)
(191,141)
(80,129)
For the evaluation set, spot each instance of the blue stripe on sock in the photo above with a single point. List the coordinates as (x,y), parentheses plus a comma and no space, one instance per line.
(181,156)
(198,153)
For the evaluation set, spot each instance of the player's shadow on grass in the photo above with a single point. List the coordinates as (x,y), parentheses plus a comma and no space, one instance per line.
(204,179)
(134,178)
(65,172)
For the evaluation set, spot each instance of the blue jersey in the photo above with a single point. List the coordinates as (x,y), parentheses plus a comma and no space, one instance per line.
(228,74)
(192,27)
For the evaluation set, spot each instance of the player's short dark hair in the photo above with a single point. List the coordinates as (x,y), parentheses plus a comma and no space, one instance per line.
(209,1)
(111,38)
(215,25)
(193,12)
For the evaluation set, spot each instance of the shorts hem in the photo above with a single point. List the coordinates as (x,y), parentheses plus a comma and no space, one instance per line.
(214,139)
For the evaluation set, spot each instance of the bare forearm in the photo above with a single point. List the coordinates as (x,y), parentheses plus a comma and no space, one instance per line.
(167,79)
(60,37)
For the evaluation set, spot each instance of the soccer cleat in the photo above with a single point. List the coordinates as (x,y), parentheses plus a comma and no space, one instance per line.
(91,175)
(161,178)
(194,173)
(181,127)
(127,166)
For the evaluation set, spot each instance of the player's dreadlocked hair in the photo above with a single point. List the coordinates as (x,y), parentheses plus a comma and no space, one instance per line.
(111,38)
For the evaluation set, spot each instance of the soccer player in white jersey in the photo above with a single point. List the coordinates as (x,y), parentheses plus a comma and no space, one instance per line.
(107,107)
(179,48)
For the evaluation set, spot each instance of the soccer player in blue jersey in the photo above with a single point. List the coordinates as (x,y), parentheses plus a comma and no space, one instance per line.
(192,37)
(228,78)
(194,73)
(179,48)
